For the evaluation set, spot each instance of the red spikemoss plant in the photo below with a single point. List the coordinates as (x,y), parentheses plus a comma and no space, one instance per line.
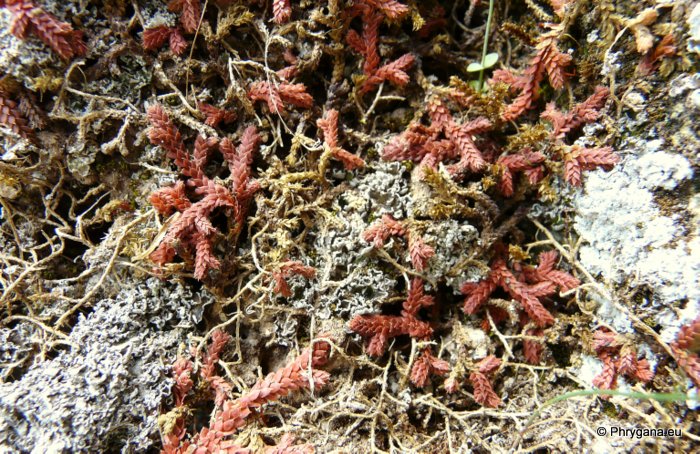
(391,9)
(190,11)
(525,284)
(12,117)
(221,388)
(287,269)
(686,348)
(230,415)
(665,48)
(419,251)
(394,72)
(154,38)
(59,36)
(545,271)
(527,162)
(480,377)
(182,371)
(281,11)
(588,111)
(577,158)
(367,43)
(193,233)
(287,446)
(329,126)
(381,328)
(444,140)
(483,389)
(533,349)
(619,357)
(214,116)
(233,414)
(548,60)
(278,94)
(427,365)
(461,137)
(373,13)
(379,232)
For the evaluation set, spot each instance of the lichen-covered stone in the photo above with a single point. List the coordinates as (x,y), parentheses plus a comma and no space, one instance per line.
(104,391)
(628,239)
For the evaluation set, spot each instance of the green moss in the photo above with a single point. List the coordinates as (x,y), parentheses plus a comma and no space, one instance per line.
(609,410)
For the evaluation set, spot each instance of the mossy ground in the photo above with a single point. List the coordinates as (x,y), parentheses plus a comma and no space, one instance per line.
(77,223)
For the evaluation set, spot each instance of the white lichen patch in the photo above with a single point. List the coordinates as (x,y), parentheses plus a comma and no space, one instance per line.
(618,320)
(467,342)
(628,238)
(590,367)
(160,18)
(660,169)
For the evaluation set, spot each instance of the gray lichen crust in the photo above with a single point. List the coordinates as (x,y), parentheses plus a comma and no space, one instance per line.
(349,280)
(106,389)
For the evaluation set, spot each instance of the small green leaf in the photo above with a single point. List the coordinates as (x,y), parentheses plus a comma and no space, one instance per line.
(474,67)
(490,60)
(474,84)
